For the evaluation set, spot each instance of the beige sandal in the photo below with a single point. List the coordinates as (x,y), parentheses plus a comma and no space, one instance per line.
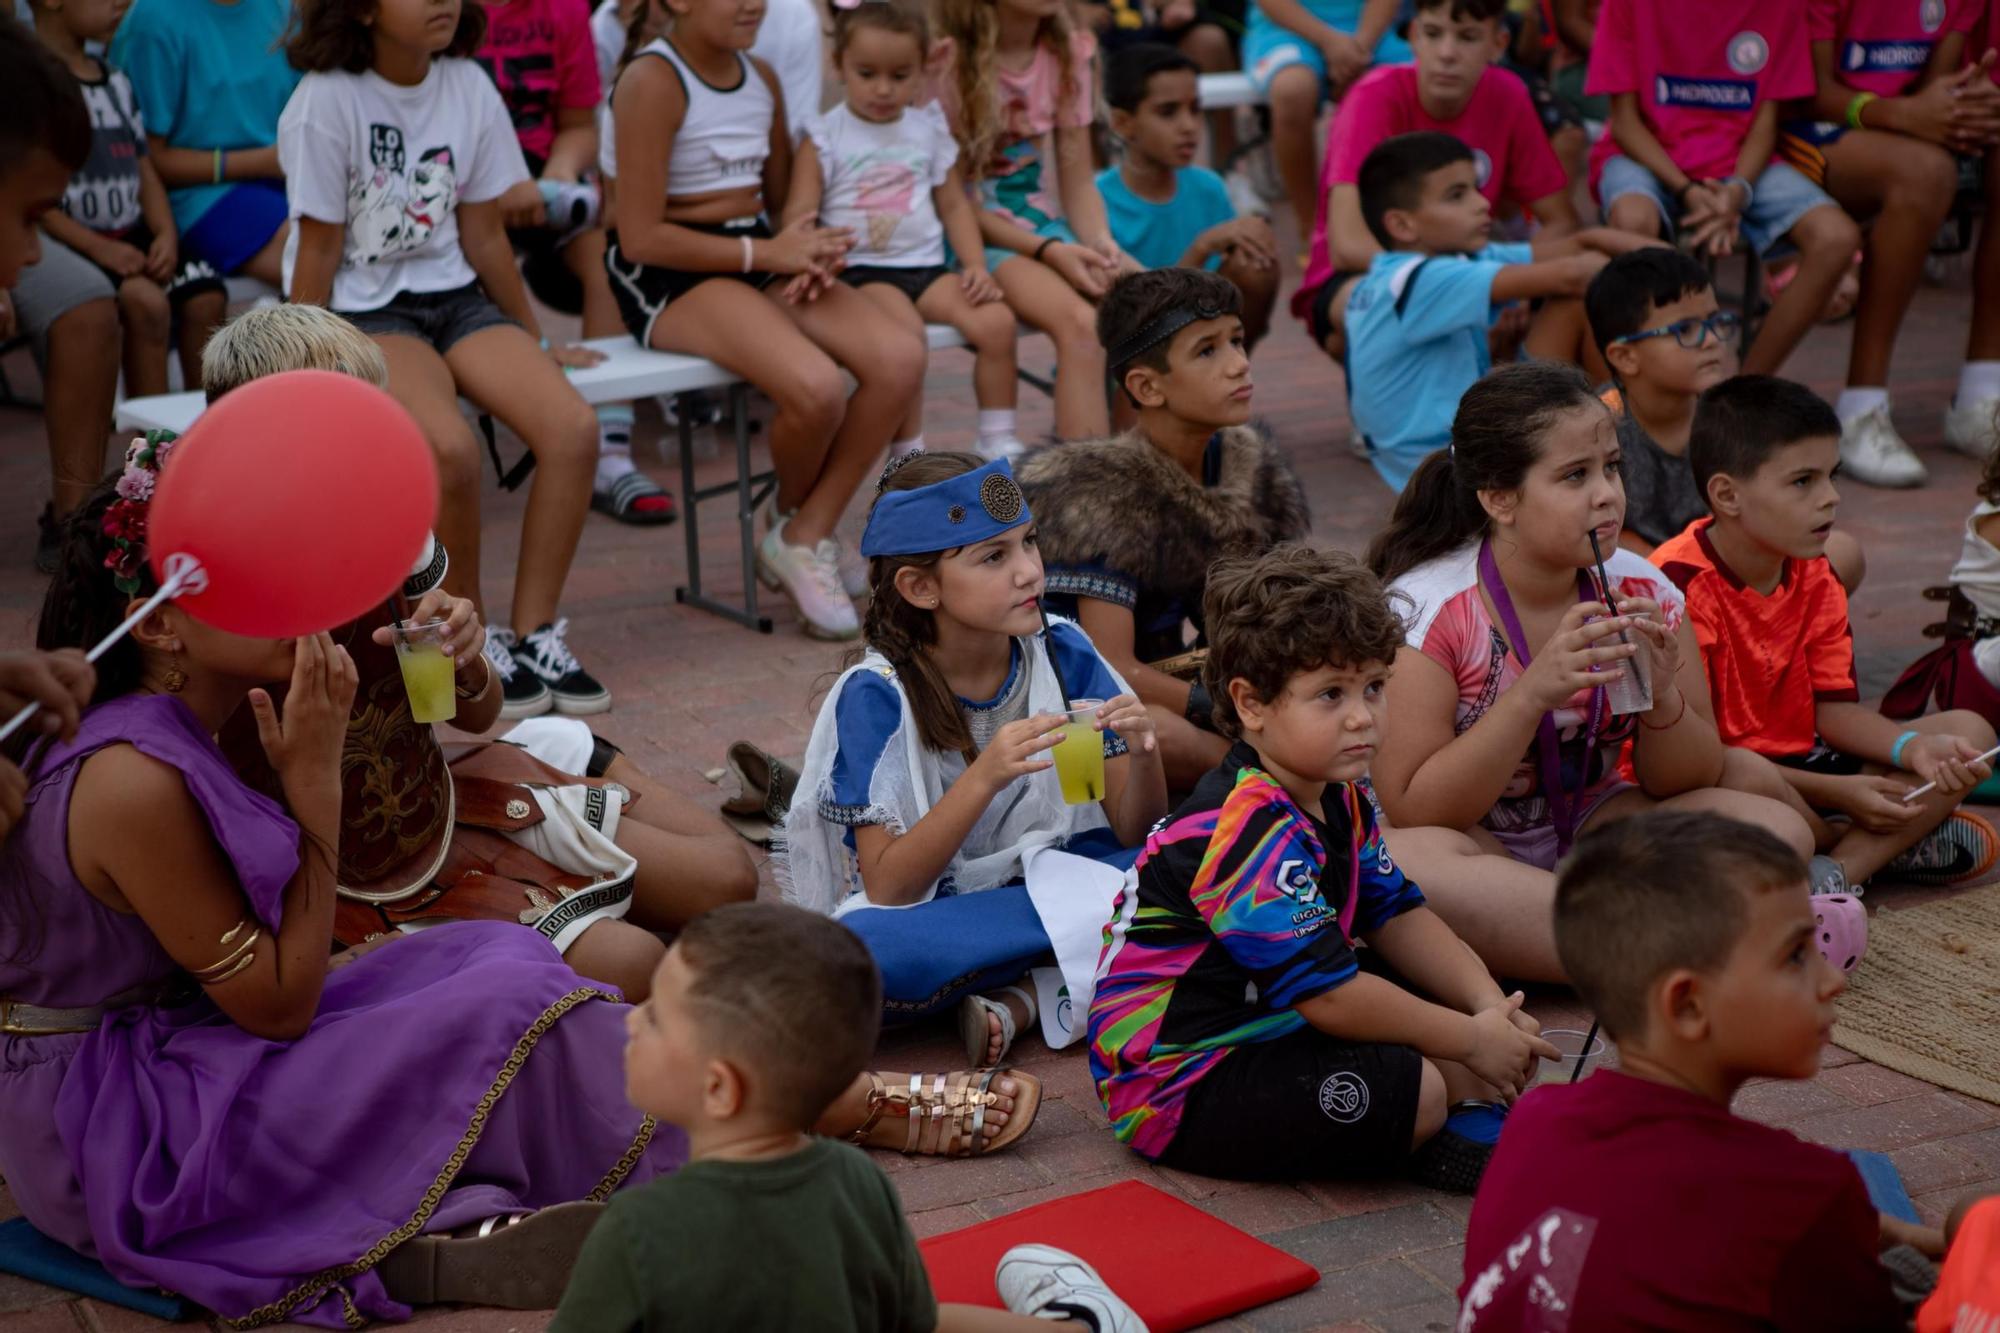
(945,1113)
(973,1012)
(520,1262)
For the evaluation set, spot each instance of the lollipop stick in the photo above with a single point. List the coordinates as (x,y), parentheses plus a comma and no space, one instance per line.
(1908,796)
(175,584)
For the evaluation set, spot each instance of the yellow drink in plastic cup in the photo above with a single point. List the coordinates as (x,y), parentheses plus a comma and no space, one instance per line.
(427,672)
(1079,755)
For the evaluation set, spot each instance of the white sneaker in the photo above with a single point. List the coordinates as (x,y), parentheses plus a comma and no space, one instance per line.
(811,578)
(1043,1282)
(998,447)
(1970,429)
(1872,451)
(853,568)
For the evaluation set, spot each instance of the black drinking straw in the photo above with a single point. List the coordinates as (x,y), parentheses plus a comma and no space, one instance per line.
(1604,582)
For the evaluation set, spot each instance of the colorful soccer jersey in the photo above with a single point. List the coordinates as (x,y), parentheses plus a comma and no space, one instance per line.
(1237,917)
(1771,660)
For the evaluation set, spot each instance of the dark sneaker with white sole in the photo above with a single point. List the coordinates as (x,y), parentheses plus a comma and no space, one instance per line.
(522,693)
(544,654)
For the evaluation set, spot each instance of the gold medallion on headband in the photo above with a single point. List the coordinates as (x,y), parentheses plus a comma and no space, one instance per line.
(1001,498)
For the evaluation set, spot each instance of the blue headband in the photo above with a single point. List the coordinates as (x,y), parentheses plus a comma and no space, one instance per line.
(946,515)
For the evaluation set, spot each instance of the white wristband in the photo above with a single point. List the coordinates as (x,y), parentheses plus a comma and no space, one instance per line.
(747,253)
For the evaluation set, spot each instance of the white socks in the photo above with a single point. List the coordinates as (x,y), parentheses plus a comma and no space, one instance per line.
(1978,381)
(909,446)
(614,443)
(1855,402)
(996,424)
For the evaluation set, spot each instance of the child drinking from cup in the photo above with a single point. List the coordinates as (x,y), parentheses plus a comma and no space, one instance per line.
(929,781)
(1503,746)
(888,172)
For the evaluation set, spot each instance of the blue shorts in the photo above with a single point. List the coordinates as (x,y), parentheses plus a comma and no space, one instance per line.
(237,225)
(1269,47)
(1778,199)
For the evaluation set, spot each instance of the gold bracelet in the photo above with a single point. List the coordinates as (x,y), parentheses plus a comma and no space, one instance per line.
(236,959)
(485,682)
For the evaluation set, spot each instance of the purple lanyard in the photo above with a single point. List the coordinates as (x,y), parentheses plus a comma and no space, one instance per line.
(1548,757)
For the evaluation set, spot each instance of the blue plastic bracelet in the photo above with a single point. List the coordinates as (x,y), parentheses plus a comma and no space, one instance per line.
(1896,751)
(545,344)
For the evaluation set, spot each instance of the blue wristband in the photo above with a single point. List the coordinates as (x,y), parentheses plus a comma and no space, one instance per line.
(1896,750)
(545,344)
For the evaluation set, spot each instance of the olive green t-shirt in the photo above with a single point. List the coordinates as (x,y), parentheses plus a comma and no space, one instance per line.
(814,1242)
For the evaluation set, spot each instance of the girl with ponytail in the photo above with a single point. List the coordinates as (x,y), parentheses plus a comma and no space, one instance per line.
(1501,747)
(928,783)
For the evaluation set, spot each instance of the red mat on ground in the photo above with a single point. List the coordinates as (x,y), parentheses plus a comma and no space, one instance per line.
(1174,1264)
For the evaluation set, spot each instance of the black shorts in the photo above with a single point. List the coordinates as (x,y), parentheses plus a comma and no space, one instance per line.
(1319,315)
(1822,760)
(1306,1106)
(191,277)
(442,319)
(911,282)
(1556,115)
(643,291)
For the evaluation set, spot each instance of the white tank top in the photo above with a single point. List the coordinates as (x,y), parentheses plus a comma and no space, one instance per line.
(725,135)
(1977,575)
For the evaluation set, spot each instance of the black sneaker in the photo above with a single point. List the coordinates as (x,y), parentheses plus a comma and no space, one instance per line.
(545,656)
(522,694)
(48,541)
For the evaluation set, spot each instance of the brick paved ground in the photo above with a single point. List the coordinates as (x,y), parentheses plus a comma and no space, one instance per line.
(687,684)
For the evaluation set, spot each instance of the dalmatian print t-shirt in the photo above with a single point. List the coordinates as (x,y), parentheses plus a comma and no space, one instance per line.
(391,164)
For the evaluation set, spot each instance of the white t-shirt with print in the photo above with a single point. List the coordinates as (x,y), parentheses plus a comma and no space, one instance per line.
(391,164)
(878,180)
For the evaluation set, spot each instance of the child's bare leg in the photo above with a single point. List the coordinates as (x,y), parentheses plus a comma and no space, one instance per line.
(81,380)
(1636,213)
(1558,331)
(502,370)
(989,329)
(619,954)
(1982,341)
(747,333)
(1295,96)
(887,362)
(584,257)
(1747,771)
(1500,907)
(1208,46)
(148,324)
(1827,239)
(421,381)
(1186,751)
(895,305)
(689,860)
(268,264)
(1041,296)
(200,316)
(1260,293)
(1862,853)
(1906,185)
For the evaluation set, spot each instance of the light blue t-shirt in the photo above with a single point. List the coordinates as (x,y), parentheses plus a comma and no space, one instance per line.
(1341,16)
(208,75)
(1416,341)
(1157,235)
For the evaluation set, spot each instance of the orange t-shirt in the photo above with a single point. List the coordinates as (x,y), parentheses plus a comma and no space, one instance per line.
(1773,660)
(1968,1289)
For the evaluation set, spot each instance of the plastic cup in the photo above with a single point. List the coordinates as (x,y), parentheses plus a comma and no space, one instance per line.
(1632,691)
(1079,756)
(427,672)
(1569,1041)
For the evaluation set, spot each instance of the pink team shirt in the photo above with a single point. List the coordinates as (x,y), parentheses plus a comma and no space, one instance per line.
(1701,69)
(540,55)
(1499,124)
(1881,46)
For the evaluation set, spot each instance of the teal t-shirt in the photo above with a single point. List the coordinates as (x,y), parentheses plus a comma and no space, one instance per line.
(1157,235)
(207,75)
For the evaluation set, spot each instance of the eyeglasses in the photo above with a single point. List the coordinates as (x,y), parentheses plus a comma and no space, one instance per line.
(1692,332)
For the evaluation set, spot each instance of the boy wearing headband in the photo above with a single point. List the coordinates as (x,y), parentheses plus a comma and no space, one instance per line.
(1130,525)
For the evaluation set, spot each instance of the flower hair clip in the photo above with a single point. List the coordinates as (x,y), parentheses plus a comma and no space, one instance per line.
(125,518)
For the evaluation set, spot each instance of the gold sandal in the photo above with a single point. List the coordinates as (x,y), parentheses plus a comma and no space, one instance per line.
(946,1113)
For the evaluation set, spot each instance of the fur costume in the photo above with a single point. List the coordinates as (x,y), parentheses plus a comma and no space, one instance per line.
(1123,504)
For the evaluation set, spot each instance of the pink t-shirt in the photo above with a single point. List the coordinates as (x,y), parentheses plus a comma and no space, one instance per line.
(1018,181)
(540,55)
(1499,125)
(1701,69)
(1881,46)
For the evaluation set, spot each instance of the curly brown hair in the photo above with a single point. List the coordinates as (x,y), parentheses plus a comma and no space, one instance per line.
(331,34)
(1294,609)
(975,33)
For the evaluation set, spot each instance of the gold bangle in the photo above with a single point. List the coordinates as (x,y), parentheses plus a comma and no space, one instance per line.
(485,682)
(236,959)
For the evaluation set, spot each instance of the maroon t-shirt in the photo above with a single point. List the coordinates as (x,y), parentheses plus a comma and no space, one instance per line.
(1625,1204)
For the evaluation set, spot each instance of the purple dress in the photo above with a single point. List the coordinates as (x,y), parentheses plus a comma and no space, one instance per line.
(459,1073)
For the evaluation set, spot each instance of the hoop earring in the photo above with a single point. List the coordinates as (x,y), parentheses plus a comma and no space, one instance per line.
(176,680)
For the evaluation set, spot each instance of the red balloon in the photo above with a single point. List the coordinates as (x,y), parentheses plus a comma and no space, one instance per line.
(306,497)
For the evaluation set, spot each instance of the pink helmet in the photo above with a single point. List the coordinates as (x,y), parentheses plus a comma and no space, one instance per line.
(1843,929)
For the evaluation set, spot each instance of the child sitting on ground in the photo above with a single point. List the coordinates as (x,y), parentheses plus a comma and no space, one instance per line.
(1692,938)
(1417,323)
(1231,1031)
(1772,622)
(1456,88)
(1164,210)
(1964,671)
(115,212)
(1694,117)
(760,1016)
(1017,89)
(1129,526)
(888,172)
(928,781)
